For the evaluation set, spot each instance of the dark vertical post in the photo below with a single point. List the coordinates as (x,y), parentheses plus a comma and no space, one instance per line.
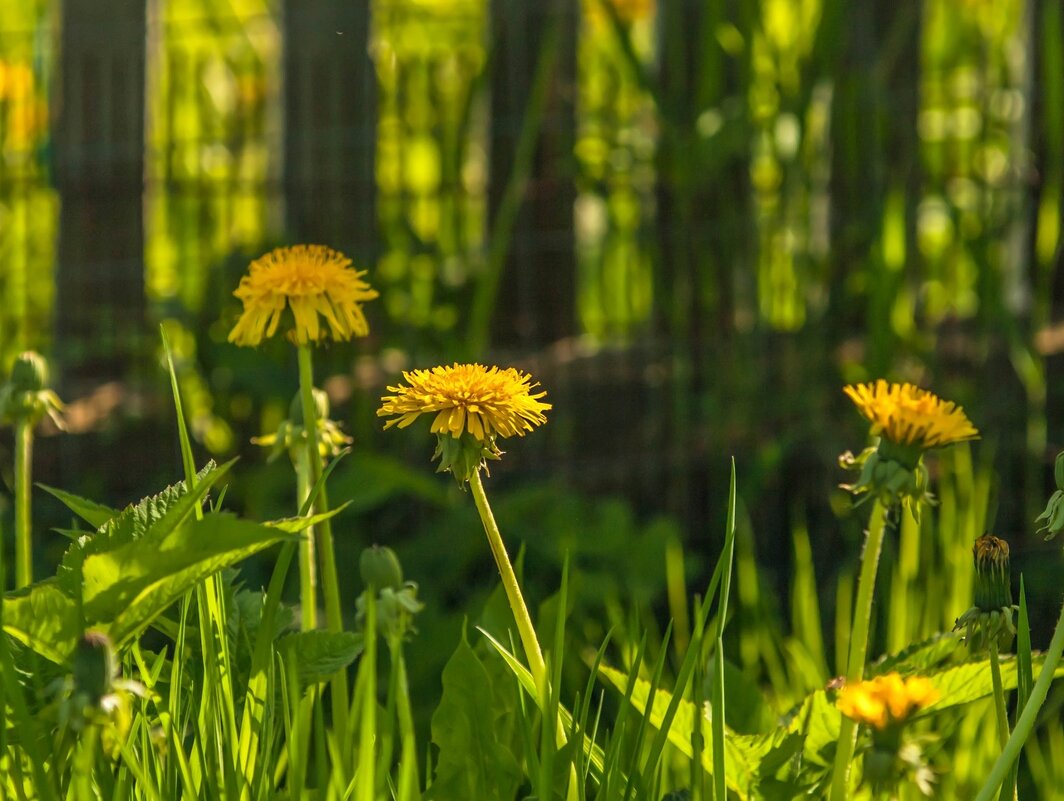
(536,299)
(99,157)
(330,126)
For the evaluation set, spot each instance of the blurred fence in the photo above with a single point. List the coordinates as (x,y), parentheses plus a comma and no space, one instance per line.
(695,218)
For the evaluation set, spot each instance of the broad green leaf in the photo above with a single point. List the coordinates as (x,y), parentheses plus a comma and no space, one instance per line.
(43,618)
(473,760)
(125,588)
(163,511)
(95,514)
(320,654)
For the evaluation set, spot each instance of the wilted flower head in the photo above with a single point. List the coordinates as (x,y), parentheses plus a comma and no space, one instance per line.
(887,700)
(472,405)
(991,617)
(311,280)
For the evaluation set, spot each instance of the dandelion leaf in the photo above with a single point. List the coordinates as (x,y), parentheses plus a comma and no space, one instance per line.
(95,514)
(320,654)
(126,587)
(470,729)
(167,509)
(43,617)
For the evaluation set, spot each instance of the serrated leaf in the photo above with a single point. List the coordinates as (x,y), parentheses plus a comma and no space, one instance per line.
(95,514)
(320,654)
(43,618)
(166,509)
(473,762)
(127,587)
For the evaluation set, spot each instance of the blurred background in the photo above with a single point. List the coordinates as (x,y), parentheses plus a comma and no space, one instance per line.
(693,221)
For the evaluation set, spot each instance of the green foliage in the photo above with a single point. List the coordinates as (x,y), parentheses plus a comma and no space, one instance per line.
(473,728)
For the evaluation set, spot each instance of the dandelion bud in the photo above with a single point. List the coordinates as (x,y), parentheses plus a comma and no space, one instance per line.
(321,407)
(380,568)
(991,617)
(993,588)
(29,373)
(93,666)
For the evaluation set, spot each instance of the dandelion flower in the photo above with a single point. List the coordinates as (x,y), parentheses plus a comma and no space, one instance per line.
(910,416)
(887,700)
(483,401)
(472,405)
(311,280)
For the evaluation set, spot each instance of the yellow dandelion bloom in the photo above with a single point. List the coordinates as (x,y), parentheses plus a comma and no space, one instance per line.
(485,401)
(885,700)
(910,416)
(311,280)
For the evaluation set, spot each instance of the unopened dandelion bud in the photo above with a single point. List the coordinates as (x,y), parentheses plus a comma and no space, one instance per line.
(380,568)
(990,620)
(93,666)
(993,589)
(321,407)
(29,373)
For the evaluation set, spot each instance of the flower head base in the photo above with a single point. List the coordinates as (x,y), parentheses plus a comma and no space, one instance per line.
(311,280)
(472,405)
(886,701)
(292,437)
(991,618)
(908,421)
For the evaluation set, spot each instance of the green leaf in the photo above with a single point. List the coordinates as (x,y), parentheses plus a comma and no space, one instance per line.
(294,525)
(371,480)
(95,514)
(43,618)
(166,510)
(127,587)
(473,760)
(320,654)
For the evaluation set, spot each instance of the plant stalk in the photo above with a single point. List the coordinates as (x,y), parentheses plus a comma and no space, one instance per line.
(330,583)
(509,582)
(23,503)
(1025,724)
(855,664)
(308,568)
(1000,710)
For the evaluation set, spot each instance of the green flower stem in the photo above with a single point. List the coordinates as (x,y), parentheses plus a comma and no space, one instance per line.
(862,618)
(308,569)
(1029,716)
(23,501)
(509,582)
(330,583)
(999,695)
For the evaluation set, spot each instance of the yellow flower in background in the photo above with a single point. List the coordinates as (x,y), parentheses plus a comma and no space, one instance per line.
(909,416)
(483,401)
(885,700)
(311,280)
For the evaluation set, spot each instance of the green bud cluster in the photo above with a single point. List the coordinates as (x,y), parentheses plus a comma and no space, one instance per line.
(1052,519)
(464,455)
(891,472)
(26,396)
(396,600)
(291,435)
